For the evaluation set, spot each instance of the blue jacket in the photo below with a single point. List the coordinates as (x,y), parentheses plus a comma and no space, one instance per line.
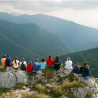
(8,61)
(36,66)
(76,69)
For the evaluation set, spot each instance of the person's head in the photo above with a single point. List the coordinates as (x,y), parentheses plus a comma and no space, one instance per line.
(15,60)
(49,56)
(57,57)
(30,62)
(4,56)
(43,60)
(22,59)
(36,60)
(77,63)
(8,55)
(68,58)
(85,64)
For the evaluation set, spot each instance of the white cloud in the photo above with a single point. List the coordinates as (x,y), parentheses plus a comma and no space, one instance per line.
(82,12)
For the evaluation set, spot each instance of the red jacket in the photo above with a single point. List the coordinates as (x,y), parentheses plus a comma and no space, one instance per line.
(29,68)
(50,62)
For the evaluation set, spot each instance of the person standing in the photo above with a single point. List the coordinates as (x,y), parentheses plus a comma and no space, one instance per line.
(57,63)
(68,64)
(8,61)
(3,61)
(49,62)
(36,65)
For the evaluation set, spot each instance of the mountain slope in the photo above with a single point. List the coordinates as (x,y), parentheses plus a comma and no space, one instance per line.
(30,37)
(90,56)
(74,34)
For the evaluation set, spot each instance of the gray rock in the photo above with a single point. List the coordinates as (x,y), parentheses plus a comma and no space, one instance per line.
(22,77)
(90,82)
(81,92)
(7,80)
(94,96)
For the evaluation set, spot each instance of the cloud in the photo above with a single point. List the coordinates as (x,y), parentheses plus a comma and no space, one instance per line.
(82,12)
(50,5)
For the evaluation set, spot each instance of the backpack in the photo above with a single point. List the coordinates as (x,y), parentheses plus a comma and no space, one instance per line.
(23,66)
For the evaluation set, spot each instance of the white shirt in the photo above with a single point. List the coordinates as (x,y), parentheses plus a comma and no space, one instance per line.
(24,62)
(68,65)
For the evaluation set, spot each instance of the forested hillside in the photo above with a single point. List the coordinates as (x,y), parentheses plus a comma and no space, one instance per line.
(30,41)
(90,56)
(74,34)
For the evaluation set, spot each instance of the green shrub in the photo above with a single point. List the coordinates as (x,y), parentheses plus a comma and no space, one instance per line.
(49,73)
(89,95)
(19,86)
(2,69)
(4,90)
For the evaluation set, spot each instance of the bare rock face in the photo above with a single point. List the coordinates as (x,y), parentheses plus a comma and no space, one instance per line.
(7,80)
(90,82)
(62,72)
(81,92)
(22,77)
(94,96)
(11,77)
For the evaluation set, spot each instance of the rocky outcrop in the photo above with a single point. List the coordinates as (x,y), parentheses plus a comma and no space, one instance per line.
(10,78)
(7,80)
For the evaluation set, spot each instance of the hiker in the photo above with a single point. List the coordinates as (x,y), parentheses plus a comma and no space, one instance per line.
(86,71)
(77,69)
(49,62)
(36,65)
(3,61)
(23,64)
(43,64)
(57,63)
(30,67)
(16,63)
(8,61)
(68,64)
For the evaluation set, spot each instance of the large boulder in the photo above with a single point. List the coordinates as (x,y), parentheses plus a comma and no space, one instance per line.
(81,92)
(7,80)
(22,77)
(62,72)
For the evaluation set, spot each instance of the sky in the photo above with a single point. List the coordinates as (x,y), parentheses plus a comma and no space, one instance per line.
(84,12)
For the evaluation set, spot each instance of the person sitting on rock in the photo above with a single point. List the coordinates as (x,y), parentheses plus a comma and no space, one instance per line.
(77,69)
(8,61)
(49,62)
(43,64)
(36,65)
(57,63)
(16,63)
(86,71)
(23,64)
(30,67)
(68,64)
(3,61)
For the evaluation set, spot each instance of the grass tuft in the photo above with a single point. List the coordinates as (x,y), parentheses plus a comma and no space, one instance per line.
(19,86)
(2,69)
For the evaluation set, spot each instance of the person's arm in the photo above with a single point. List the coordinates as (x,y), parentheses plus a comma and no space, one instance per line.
(47,62)
(26,64)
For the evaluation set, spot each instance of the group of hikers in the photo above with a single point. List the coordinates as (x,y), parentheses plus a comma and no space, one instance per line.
(49,63)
